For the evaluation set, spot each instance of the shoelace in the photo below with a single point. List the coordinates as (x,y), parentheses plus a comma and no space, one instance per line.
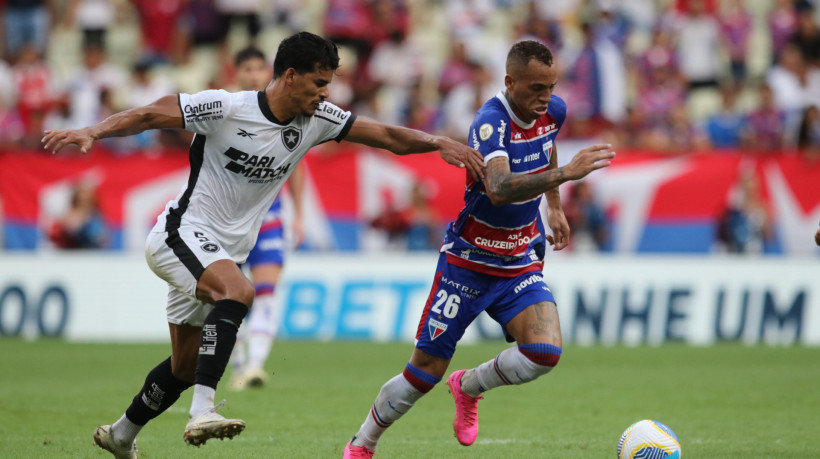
(361,452)
(470,409)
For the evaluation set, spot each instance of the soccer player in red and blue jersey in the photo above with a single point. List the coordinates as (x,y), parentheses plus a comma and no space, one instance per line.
(492,258)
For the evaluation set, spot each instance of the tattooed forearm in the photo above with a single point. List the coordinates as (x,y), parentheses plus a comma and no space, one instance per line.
(505,187)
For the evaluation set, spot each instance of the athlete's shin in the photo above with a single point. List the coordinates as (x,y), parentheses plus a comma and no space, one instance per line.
(395,398)
(218,339)
(515,365)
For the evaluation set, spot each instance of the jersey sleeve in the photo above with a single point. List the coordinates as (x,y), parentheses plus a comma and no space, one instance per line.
(203,112)
(333,122)
(490,134)
(558,110)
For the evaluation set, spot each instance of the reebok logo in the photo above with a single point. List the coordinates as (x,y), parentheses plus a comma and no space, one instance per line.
(208,346)
(244,133)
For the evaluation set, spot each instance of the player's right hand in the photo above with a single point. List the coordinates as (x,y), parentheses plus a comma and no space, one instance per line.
(589,159)
(58,139)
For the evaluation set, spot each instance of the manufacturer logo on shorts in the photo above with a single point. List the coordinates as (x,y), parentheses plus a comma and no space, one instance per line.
(210,247)
(436,328)
(291,138)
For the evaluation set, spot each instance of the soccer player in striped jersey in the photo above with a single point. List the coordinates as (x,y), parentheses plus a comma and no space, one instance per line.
(492,258)
(255,339)
(246,145)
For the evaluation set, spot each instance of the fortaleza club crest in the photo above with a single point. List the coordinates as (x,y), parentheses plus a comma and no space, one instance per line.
(436,328)
(291,138)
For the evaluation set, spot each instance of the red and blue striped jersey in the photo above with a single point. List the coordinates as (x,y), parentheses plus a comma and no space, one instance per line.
(506,240)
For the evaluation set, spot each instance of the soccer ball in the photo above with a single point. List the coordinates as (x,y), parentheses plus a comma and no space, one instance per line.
(648,440)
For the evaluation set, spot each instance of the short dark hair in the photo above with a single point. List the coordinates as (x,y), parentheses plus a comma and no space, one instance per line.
(305,52)
(522,52)
(247,54)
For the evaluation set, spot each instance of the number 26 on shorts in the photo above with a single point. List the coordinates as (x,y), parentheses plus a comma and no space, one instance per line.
(450,302)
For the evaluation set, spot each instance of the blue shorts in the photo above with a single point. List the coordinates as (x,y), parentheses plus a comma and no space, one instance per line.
(459,295)
(269,248)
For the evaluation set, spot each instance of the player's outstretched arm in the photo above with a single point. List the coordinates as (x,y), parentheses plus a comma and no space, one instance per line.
(404,141)
(163,113)
(504,187)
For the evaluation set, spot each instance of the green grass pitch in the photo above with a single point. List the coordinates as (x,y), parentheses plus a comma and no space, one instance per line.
(726,401)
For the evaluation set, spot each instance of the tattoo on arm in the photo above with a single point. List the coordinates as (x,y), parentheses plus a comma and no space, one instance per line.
(513,188)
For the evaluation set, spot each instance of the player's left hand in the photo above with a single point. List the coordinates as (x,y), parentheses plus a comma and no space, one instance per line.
(462,156)
(557,222)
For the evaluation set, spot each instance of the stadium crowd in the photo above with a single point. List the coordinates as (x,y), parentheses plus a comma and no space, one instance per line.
(666,76)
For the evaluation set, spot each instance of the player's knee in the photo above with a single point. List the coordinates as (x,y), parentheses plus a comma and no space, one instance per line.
(540,358)
(420,379)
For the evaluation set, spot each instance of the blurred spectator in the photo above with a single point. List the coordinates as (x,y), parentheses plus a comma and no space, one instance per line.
(459,107)
(388,18)
(808,137)
(7,90)
(725,127)
(391,222)
(745,226)
(87,84)
(32,82)
(82,226)
(676,135)
(93,18)
(59,117)
(735,29)
(587,220)
(765,125)
(807,36)
(11,127)
(160,27)
(456,68)
(782,25)
(660,54)
(232,11)
(205,23)
(420,113)
(698,45)
(25,22)
(795,86)
(396,66)
(423,232)
(346,23)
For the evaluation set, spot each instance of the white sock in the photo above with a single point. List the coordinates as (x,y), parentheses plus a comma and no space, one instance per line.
(203,400)
(123,432)
(510,366)
(239,356)
(395,398)
(262,326)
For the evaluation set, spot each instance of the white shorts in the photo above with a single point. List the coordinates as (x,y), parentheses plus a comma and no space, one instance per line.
(180,258)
